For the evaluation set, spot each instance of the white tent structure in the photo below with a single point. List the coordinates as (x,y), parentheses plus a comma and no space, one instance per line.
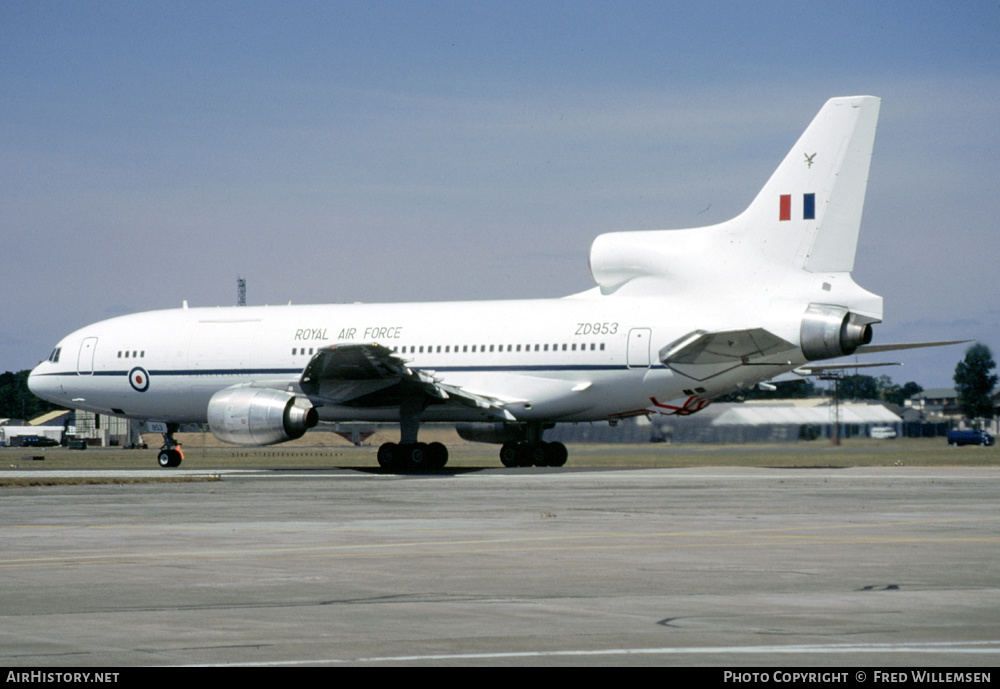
(768,415)
(776,422)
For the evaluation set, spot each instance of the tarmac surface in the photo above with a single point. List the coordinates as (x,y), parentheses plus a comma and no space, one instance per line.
(700,566)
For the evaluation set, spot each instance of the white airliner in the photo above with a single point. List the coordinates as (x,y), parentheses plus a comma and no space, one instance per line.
(678,318)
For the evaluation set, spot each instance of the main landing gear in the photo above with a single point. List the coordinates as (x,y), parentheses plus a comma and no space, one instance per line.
(409,455)
(412,456)
(170,454)
(532,451)
(524,446)
(537,454)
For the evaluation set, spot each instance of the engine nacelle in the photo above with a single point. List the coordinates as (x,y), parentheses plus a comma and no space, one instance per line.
(259,416)
(498,433)
(830,331)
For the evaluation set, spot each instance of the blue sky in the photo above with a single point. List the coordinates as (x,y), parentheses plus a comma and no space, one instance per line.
(400,151)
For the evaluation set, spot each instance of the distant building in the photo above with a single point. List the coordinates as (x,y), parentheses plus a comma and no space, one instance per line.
(770,421)
(938,407)
(943,399)
(63,425)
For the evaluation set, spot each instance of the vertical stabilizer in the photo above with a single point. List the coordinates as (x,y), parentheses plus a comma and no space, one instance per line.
(811,206)
(806,217)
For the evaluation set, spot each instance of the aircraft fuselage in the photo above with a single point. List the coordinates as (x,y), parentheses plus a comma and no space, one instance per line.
(573,359)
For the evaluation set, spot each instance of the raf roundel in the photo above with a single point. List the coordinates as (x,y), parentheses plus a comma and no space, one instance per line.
(139,379)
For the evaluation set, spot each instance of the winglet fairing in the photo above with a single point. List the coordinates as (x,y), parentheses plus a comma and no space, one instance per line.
(678,318)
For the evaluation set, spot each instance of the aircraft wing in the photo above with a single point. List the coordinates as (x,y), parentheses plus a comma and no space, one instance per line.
(701,355)
(371,375)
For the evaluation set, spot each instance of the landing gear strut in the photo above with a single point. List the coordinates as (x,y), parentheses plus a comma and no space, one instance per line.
(170,454)
(409,455)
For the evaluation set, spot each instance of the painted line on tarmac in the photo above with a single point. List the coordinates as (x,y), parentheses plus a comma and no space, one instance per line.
(925,648)
(498,474)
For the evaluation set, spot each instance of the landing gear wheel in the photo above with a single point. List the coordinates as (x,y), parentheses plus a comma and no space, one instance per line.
(508,454)
(415,456)
(388,455)
(533,454)
(438,456)
(171,453)
(556,454)
(412,456)
(536,455)
(169,459)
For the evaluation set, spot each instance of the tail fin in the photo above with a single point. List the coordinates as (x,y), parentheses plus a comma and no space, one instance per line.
(806,217)
(812,203)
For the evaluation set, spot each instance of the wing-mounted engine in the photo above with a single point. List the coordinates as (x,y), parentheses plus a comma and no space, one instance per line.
(245,415)
(828,332)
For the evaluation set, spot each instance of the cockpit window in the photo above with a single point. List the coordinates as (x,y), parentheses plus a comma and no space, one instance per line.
(54,356)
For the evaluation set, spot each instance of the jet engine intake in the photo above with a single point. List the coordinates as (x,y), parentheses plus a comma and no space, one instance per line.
(259,416)
(830,331)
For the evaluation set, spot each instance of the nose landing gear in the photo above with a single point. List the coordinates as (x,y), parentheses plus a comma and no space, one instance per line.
(170,455)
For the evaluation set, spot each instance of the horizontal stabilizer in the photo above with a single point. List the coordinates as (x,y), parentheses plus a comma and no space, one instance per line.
(869,349)
(823,368)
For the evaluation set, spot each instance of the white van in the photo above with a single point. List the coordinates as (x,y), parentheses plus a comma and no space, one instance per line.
(882,432)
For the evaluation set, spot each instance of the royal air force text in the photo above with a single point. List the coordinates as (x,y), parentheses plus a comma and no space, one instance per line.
(374,333)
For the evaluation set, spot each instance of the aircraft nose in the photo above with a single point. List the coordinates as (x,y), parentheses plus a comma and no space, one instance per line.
(42,385)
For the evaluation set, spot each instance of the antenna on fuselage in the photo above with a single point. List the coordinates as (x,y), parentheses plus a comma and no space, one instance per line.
(241,291)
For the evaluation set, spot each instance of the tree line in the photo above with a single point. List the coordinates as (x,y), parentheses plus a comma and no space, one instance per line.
(16,400)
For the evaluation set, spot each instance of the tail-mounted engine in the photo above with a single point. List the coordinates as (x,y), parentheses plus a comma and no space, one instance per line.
(259,416)
(831,331)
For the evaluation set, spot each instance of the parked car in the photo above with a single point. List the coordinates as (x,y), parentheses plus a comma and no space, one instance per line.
(956,438)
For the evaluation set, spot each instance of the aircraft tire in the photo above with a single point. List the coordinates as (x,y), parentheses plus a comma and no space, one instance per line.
(556,454)
(438,455)
(388,455)
(509,454)
(415,456)
(169,459)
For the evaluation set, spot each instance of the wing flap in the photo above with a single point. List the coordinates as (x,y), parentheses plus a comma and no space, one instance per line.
(371,375)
